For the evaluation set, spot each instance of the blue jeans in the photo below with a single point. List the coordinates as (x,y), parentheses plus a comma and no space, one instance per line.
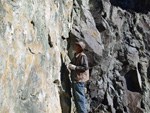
(79,96)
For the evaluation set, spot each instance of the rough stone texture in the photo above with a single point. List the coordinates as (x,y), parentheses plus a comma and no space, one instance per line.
(36,41)
(33,49)
(120,82)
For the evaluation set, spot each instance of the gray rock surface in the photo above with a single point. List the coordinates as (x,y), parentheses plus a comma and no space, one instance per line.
(36,41)
(123,67)
(32,55)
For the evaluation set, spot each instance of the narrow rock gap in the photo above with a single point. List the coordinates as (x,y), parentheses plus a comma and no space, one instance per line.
(49,41)
(148,71)
(65,92)
(142,105)
(139,67)
(31,51)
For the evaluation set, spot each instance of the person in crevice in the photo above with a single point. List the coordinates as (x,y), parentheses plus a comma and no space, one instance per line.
(79,75)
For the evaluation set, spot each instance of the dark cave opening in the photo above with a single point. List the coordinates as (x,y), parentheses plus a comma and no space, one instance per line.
(139,6)
(132,81)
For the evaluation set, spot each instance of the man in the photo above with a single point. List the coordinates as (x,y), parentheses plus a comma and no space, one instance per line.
(79,75)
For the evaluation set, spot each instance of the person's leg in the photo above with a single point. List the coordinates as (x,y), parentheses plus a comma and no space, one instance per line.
(74,96)
(79,97)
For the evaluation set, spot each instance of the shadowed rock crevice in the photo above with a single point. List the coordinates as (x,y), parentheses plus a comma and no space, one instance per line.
(32,22)
(65,92)
(49,41)
(140,6)
(148,71)
(31,51)
(132,81)
(71,42)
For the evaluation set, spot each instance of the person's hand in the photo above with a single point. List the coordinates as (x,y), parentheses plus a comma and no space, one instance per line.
(72,67)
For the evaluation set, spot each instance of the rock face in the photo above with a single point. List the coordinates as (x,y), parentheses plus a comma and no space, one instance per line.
(120,81)
(36,41)
(33,52)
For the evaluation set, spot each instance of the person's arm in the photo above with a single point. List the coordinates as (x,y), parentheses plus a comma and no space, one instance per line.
(84,64)
(71,65)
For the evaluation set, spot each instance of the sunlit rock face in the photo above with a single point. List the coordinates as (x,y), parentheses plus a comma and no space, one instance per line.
(36,43)
(32,52)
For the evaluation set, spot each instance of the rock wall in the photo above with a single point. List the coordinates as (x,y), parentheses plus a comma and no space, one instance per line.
(121,80)
(33,48)
(36,41)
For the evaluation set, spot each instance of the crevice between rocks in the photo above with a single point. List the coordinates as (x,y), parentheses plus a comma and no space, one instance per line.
(49,41)
(148,72)
(133,5)
(65,88)
(31,51)
(32,22)
(132,81)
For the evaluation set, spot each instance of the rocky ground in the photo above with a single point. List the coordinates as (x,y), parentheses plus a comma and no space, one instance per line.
(36,41)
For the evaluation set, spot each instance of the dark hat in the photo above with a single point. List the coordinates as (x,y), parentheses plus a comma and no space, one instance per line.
(81,44)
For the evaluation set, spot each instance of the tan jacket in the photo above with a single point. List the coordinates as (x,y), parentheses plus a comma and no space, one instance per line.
(81,71)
